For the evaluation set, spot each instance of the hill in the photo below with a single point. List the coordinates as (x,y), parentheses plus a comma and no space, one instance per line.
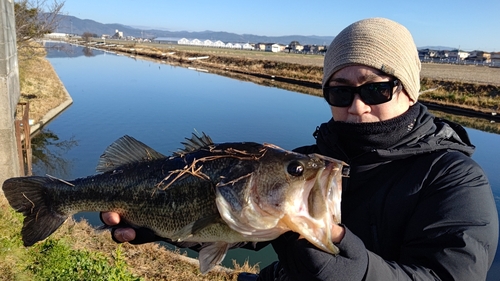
(437,48)
(74,25)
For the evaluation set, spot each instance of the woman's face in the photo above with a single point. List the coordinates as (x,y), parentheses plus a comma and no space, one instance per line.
(358,111)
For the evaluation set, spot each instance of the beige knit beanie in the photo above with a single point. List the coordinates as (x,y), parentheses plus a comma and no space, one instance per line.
(379,43)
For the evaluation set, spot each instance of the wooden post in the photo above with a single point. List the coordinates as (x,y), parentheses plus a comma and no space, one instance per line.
(17,126)
(27,138)
(23,133)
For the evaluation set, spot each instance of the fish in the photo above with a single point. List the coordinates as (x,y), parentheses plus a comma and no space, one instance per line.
(214,195)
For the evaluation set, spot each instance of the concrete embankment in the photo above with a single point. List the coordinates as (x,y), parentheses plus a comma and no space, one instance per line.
(53,112)
(9,93)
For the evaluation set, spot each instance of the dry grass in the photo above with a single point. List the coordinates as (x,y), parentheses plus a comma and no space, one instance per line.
(40,86)
(468,74)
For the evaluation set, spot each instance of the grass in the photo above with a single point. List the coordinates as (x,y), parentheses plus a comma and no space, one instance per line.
(40,85)
(13,256)
(54,259)
(466,95)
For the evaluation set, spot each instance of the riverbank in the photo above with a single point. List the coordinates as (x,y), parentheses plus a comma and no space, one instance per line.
(472,89)
(42,88)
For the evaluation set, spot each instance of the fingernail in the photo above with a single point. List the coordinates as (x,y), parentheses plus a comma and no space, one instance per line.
(122,235)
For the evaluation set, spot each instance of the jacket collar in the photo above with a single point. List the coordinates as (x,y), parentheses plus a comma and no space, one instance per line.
(429,134)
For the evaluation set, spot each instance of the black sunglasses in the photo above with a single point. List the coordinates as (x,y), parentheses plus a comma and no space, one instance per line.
(370,93)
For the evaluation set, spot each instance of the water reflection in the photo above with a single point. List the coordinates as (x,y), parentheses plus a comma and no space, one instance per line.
(471,122)
(49,154)
(87,52)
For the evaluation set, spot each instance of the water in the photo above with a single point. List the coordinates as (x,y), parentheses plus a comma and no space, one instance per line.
(161,105)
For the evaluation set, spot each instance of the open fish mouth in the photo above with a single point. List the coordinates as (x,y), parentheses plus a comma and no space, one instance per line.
(309,207)
(313,214)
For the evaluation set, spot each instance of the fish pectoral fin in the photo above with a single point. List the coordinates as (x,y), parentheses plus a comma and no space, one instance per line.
(195,227)
(211,255)
(125,150)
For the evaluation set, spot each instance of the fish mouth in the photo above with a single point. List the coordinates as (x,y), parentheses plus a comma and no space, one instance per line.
(313,213)
(311,207)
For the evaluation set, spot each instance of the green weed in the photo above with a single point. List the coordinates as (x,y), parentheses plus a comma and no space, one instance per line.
(53,260)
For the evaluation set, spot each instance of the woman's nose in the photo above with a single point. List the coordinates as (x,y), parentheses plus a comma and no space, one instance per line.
(358,107)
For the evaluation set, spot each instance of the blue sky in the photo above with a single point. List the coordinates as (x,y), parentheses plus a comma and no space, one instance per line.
(468,25)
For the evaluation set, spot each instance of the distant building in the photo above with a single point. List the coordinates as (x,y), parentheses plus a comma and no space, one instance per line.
(457,55)
(495,58)
(118,34)
(247,46)
(56,35)
(273,47)
(260,46)
(219,44)
(183,41)
(479,56)
(313,49)
(426,54)
(295,47)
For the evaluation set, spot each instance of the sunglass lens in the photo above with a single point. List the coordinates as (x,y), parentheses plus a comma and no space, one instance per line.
(376,93)
(340,96)
(371,93)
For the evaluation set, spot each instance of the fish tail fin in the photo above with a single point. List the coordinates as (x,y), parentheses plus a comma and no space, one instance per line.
(28,195)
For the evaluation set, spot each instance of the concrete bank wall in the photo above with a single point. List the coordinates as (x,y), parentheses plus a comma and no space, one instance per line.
(9,92)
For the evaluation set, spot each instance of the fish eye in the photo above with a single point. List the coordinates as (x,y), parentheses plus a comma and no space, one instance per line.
(295,169)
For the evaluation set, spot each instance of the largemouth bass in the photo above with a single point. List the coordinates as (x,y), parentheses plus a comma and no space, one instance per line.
(214,194)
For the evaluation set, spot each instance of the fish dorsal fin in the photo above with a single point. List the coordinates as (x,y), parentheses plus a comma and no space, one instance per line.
(126,150)
(194,143)
(211,255)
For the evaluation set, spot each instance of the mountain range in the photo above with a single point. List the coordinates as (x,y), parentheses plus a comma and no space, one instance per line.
(74,25)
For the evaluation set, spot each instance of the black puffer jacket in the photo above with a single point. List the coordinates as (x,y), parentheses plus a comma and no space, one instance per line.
(420,210)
